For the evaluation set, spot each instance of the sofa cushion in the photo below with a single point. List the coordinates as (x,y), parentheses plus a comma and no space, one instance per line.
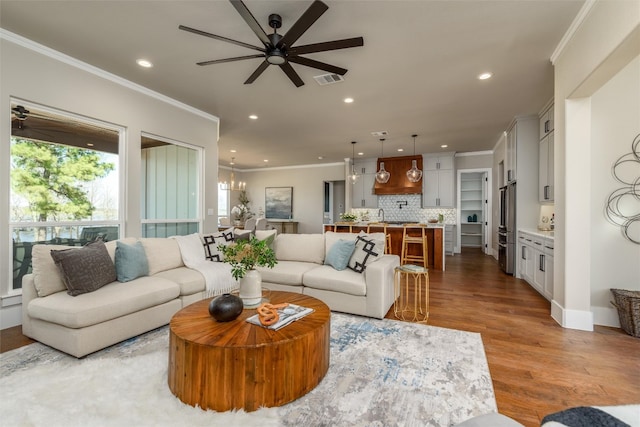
(340,254)
(162,254)
(268,235)
(327,278)
(367,251)
(189,280)
(300,247)
(46,276)
(112,244)
(85,269)
(212,241)
(286,272)
(109,302)
(131,261)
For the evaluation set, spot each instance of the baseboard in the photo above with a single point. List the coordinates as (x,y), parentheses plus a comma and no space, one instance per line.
(572,319)
(10,316)
(605,316)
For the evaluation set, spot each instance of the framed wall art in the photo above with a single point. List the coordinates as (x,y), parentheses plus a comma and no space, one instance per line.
(278,202)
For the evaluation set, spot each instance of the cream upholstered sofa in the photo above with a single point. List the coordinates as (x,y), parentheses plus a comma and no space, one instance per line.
(301,269)
(117,311)
(82,324)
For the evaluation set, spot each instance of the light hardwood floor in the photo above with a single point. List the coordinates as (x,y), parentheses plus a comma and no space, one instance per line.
(537,366)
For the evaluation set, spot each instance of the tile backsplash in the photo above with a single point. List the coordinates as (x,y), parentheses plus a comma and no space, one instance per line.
(406,208)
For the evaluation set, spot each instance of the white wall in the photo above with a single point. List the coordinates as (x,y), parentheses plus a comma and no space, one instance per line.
(34,73)
(615,261)
(308,190)
(603,41)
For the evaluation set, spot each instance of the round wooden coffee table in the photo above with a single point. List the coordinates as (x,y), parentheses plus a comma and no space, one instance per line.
(237,365)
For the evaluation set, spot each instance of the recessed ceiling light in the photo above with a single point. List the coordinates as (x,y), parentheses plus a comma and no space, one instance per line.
(265,160)
(253,117)
(401,149)
(348,100)
(360,154)
(144,63)
(320,157)
(89,144)
(444,146)
(485,76)
(233,151)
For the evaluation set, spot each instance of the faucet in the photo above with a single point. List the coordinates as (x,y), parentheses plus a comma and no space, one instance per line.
(381,210)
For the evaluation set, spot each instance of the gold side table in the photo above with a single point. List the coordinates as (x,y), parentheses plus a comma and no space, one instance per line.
(404,277)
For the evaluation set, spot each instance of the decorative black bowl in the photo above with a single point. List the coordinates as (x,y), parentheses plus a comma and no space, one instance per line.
(226,307)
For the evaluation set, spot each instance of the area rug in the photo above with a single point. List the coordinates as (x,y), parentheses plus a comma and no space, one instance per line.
(382,373)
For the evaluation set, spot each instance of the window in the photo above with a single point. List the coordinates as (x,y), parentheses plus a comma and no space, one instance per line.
(223,202)
(64,182)
(170,187)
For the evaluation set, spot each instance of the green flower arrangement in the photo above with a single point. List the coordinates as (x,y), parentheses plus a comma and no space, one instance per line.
(245,255)
(349,217)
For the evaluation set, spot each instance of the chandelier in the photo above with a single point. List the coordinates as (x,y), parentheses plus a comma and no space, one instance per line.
(414,174)
(353,176)
(233,185)
(382,176)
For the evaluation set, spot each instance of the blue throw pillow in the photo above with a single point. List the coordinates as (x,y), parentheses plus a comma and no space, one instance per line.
(340,253)
(131,261)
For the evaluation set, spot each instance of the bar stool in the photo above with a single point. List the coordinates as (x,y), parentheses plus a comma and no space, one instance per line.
(387,247)
(341,225)
(415,240)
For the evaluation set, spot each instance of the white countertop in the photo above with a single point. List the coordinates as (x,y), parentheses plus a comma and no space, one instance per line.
(539,233)
(364,224)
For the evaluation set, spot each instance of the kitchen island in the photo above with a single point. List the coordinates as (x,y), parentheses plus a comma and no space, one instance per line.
(435,239)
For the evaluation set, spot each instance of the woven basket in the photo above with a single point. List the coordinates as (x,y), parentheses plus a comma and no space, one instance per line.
(628,305)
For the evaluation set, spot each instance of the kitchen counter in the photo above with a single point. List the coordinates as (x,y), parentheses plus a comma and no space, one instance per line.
(547,234)
(435,238)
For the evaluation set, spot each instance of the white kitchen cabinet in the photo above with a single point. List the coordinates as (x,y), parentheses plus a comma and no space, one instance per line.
(536,262)
(449,238)
(363,195)
(438,181)
(546,157)
(510,159)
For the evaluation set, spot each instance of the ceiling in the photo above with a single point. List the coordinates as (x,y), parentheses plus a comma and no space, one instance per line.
(416,73)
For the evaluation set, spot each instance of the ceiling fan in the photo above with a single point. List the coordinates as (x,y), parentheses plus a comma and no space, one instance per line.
(279,49)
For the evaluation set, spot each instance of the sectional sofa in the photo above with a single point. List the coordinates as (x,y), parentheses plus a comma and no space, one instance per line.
(79,325)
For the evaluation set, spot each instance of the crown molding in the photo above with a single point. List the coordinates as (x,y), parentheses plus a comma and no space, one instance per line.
(577,22)
(59,56)
(277,168)
(475,153)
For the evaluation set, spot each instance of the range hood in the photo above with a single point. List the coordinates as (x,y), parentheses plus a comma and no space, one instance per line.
(398,182)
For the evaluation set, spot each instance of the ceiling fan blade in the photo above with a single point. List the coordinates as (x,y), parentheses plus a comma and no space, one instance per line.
(317,64)
(224,39)
(322,47)
(307,19)
(291,73)
(236,58)
(251,21)
(257,72)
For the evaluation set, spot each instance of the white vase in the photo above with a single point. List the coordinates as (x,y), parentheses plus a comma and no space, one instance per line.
(251,289)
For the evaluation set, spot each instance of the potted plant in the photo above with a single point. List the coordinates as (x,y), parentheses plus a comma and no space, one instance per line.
(241,212)
(348,217)
(244,256)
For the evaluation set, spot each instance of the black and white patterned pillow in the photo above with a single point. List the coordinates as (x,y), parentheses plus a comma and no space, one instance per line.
(211,242)
(367,251)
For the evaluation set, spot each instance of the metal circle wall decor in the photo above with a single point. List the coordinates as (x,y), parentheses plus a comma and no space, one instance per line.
(623,204)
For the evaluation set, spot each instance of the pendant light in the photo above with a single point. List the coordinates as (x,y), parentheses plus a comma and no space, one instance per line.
(382,176)
(414,174)
(233,185)
(353,177)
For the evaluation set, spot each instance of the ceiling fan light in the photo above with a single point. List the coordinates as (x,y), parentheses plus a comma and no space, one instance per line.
(382,176)
(276,57)
(414,174)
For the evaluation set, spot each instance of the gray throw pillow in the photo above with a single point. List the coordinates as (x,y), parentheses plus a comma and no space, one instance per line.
(131,261)
(85,269)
